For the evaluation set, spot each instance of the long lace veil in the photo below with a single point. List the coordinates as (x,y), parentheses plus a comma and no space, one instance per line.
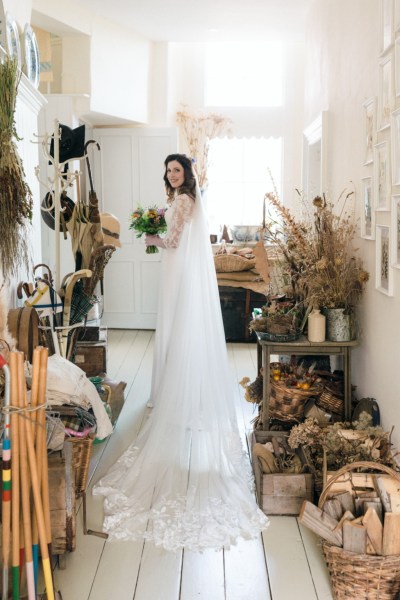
(186,481)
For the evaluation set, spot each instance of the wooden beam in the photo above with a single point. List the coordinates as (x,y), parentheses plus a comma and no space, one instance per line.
(374,527)
(320,522)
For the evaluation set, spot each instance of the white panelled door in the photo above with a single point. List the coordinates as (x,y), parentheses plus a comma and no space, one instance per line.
(129,171)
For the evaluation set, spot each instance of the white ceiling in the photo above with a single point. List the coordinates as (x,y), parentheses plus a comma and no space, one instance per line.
(207,20)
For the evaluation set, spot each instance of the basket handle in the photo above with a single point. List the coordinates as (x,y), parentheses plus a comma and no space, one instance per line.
(362,464)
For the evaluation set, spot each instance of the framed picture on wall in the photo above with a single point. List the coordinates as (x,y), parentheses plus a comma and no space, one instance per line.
(383,272)
(386,24)
(395,147)
(395,214)
(367,210)
(385,98)
(396,19)
(370,129)
(397,67)
(382,183)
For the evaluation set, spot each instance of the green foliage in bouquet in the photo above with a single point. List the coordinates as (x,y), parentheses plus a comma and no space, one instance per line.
(151,221)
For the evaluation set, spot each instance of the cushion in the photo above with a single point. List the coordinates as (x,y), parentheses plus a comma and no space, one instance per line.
(228,263)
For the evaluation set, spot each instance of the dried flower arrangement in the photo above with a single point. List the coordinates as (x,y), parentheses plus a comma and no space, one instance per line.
(15,195)
(278,317)
(198,129)
(342,444)
(319,255)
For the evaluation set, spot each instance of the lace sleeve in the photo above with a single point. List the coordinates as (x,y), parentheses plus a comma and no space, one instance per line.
(182,214)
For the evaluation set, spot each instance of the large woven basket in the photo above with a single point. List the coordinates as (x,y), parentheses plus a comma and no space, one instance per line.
(81,454)
(287,403)
(361,576)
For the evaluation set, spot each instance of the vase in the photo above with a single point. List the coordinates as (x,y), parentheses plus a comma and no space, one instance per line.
(316,326)
(339,324)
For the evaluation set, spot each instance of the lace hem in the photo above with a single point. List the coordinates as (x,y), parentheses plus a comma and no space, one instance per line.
(173,526)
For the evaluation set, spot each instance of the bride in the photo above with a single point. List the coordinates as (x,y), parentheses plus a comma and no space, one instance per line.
(185,481)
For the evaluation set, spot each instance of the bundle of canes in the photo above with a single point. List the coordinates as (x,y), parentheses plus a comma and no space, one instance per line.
(28,472)
(6,480)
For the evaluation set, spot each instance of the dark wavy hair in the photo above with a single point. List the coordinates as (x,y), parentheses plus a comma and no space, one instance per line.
(189,183)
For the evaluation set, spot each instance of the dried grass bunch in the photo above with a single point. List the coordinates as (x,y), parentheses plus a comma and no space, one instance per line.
(319,255)
(15,195)
(342,443)
(198,129)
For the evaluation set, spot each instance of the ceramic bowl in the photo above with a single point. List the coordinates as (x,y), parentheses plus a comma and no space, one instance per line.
(244,233)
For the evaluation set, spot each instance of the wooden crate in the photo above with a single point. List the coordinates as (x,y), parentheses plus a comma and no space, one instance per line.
(93,333)
(280,493)
(91,357)
(62,502)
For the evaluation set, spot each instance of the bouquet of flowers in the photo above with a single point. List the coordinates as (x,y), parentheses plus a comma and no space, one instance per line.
(150,220)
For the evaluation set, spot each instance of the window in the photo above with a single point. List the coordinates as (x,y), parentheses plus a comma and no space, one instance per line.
(239,177)
(244,74)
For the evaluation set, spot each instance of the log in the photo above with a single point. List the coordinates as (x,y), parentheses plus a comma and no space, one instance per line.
(320,522)
(346,499)
(391,534)
(383,493)
(333,508)
(348,516)
(394,498)
(374,527)
(354,537)
(375,505)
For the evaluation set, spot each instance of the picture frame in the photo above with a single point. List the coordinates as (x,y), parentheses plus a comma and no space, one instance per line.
(395,147)
(367,209)
(370,129)
(395,225)
(382,178)
(383,268)
(385,98)
(396,17)
(397,67)
(386,24)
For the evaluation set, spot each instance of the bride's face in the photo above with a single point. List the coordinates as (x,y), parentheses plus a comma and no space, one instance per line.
(175,174)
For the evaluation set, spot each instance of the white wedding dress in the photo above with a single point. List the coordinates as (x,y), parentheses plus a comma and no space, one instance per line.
(186,480)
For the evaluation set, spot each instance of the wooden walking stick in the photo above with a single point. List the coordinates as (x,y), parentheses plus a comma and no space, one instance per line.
(39,510)
(34,402)
(42,425)
(6,480)
(15,496)
(25,487)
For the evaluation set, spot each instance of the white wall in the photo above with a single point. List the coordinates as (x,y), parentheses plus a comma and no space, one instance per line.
(342,59)
(101,59)
(185,86)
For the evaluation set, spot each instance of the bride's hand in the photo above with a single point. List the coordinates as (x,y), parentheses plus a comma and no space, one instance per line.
(151,240)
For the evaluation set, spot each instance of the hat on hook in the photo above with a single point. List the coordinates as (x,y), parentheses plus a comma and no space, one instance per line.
(110,227)
(72,143)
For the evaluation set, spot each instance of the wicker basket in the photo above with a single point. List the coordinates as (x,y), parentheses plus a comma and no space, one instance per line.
(287,403)
(332,401)
(361,576)
(81,453)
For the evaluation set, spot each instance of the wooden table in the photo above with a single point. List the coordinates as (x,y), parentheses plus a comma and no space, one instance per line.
(303,347)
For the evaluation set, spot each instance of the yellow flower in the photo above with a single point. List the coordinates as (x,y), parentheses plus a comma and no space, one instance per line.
(363,276)
(318,202)
(321,264)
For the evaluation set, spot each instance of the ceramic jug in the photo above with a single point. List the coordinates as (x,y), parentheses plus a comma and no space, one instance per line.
(316,326)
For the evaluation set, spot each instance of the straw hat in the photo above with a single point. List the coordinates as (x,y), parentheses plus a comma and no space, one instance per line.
(110,227)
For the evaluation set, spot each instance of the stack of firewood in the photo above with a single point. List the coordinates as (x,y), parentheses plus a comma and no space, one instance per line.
(360,513)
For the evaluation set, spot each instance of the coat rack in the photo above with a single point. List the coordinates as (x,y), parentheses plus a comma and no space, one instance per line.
(56,186)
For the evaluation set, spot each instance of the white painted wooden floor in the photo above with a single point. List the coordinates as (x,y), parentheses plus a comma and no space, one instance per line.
(286,563)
